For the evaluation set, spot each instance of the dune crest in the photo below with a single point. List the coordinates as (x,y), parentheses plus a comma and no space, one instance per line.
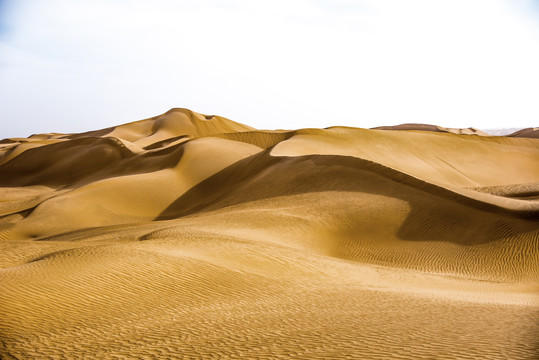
(193,236)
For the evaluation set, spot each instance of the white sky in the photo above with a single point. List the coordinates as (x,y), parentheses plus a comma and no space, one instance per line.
(71,66)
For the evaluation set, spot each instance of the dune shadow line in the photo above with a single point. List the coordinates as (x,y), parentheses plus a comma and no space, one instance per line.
(263,176)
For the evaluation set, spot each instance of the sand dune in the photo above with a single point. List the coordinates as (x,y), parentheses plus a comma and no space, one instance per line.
(528,132)
(435,128)
(193,236)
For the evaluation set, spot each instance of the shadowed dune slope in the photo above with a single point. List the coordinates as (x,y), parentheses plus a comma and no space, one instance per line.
(193,236)
(528,132)
(363,195)
(144,133)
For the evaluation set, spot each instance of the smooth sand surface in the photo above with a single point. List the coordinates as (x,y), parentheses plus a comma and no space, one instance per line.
(193,236)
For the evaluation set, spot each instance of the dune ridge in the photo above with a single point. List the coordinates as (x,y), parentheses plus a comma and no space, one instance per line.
(192,236)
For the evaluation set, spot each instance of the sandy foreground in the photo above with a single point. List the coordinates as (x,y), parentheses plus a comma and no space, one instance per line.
(193,236)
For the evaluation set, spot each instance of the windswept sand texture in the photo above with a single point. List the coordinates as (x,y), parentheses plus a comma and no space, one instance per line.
(192,236)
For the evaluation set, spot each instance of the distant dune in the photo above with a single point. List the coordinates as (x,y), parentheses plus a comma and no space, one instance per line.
(528,132)
(435,128)
(193,236)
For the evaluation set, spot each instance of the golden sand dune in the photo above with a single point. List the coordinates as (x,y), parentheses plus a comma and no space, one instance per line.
(192,236)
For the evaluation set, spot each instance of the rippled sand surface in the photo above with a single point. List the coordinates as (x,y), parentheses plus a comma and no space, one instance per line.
(193,236)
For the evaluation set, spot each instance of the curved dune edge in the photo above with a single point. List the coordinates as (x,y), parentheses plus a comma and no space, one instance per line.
(193,236)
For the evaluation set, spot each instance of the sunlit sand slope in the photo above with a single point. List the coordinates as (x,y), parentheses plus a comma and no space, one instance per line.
(192,236)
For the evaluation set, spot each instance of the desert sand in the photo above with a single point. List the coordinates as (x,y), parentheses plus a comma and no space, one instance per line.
(193,236)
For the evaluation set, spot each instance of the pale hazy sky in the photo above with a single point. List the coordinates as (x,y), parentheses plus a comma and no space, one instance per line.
(76,65)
